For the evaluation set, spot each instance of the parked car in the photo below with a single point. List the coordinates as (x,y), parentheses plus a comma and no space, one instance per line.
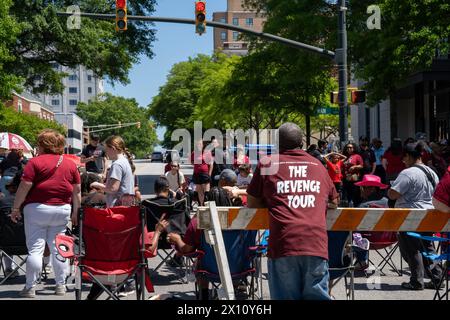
(171,155)
(157,156)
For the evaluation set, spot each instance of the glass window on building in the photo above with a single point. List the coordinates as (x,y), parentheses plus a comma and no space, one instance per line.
(249,22)
(223,35)
(89,89)
(73,77)
(55,65)
(89,78)
(235,36)
(222,20)
(55,102)
(235,21)
(73,90)
(73,102)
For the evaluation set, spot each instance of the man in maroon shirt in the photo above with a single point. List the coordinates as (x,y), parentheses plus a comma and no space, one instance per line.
(296,195)
(441,196)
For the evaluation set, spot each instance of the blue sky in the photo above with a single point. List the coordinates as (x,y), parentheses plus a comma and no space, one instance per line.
(175,43)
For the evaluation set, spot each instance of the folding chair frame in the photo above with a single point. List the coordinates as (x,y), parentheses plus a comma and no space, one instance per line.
(386,260)
(139,272)
(16,269)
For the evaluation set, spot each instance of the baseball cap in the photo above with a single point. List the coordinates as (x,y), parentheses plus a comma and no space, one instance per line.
(227,175)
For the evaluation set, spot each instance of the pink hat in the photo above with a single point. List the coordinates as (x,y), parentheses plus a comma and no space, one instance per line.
(370,180)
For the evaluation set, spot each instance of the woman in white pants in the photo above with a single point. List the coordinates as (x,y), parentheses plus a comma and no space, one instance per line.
(50,184)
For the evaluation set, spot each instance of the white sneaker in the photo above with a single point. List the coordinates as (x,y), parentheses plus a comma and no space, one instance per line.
(27,293)
(60,290)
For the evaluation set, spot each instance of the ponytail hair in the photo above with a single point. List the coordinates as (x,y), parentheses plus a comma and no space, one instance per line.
(129,156)
(117,143)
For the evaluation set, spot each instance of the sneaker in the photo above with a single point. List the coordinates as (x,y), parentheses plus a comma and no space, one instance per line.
(48,269)
(60,290)
(433,286)
(27,293)
(127,290)
(410,286)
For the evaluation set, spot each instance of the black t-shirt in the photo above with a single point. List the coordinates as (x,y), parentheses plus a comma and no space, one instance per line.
(97,165)
(368,157)
(318,155)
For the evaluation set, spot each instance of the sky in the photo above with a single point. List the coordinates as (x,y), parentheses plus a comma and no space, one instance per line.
(174,43)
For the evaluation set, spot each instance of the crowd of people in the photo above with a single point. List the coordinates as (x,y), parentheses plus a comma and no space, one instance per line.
(48,189)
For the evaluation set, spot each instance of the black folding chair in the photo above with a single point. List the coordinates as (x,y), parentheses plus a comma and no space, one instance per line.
(177,213)
(12,243)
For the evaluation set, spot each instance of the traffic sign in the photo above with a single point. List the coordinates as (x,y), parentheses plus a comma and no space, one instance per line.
(327,110)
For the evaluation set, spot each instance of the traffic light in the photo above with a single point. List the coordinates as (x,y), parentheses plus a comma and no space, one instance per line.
(334,97)
(358,96)
(200,17)
(121,15)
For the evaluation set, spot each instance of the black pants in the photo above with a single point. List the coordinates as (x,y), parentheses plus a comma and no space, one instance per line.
(351,193)
(411,249)
(379,171)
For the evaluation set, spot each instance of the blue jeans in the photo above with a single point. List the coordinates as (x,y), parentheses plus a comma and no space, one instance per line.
(298,278)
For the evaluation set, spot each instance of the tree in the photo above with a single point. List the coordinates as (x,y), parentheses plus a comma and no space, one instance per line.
(44,38)
(176,100)
(25,125)
(9,29)
(412,32)
(109,109)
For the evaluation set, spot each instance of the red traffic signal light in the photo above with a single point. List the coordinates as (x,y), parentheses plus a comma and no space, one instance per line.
(358,96)
(121,15)
(200,17)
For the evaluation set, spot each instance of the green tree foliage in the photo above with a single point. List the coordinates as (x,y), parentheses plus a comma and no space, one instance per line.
(279,78)
(44,38)
(9,28)
(412,32)
(109,109)
(176,100)
(25,125)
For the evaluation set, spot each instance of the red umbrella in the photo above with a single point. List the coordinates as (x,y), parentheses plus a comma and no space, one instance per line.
(14,141)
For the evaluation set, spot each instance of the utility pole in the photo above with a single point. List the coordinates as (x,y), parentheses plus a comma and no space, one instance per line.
(341,59)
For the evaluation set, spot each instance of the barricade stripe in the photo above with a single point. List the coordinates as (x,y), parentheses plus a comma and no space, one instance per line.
(243,218)
(332,215)
(260,220)
(370,220)
(349,219)
(413,220)
(391,220)
(434,220)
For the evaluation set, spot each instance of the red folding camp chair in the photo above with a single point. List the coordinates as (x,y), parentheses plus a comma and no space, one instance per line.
(114,244)
(385,244)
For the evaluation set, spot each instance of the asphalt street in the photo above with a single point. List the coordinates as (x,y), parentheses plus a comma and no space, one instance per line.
(173,280)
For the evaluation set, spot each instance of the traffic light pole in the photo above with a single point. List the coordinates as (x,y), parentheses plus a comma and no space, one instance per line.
(268,36)
(340,57)
(341,60)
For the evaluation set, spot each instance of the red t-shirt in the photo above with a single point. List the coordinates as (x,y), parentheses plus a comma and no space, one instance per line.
(201,162)
(442,192)
(49,186)
(395,164)
(193,235)
(245,160)
(335,170)
(353,160)
(296,195)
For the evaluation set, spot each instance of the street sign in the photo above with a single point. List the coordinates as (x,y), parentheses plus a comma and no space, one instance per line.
(327,110)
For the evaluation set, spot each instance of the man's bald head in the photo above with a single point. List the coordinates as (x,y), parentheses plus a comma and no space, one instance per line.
(290,136)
